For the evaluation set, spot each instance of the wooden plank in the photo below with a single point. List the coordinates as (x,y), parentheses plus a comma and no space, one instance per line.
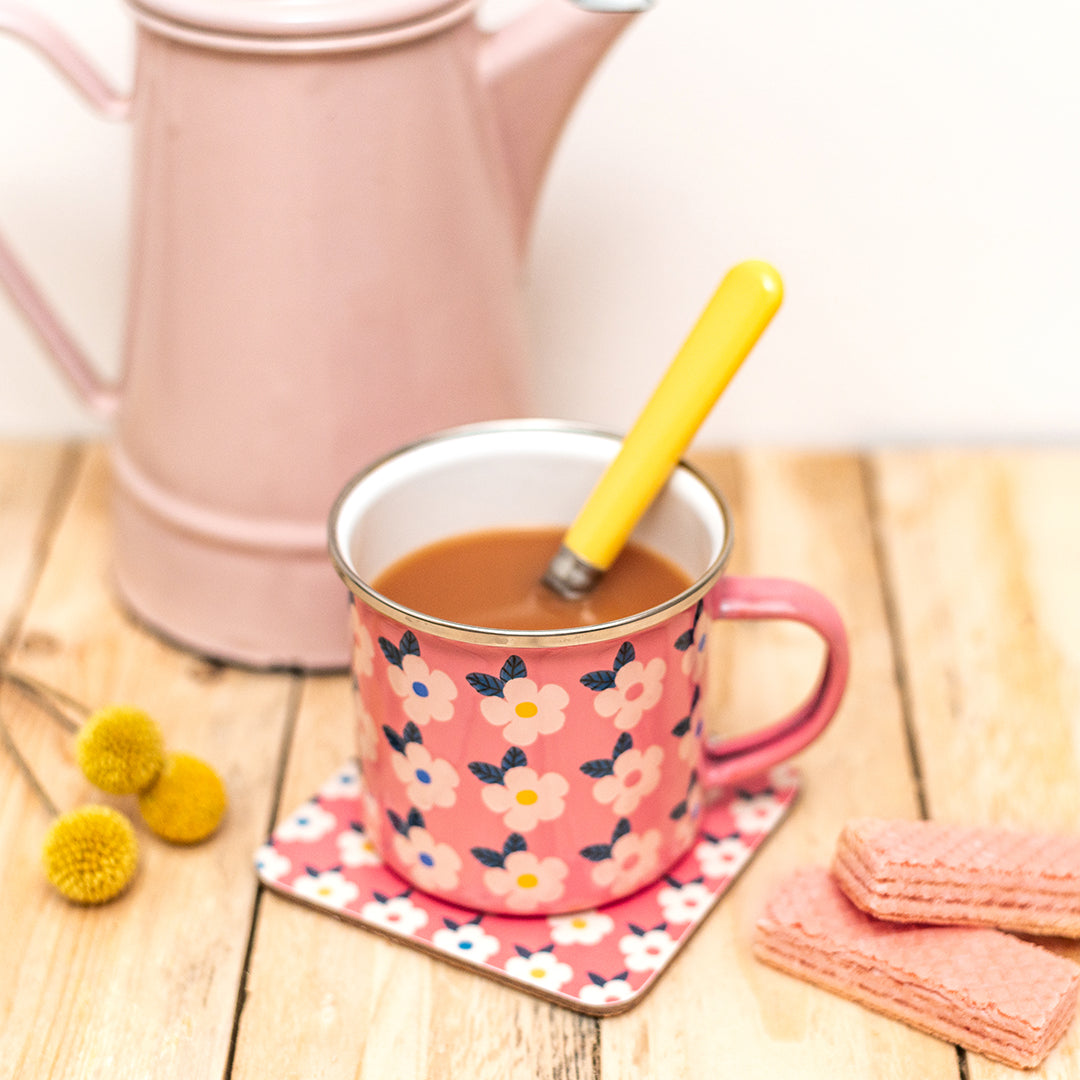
(32,481)
(801,516)
(328,999)
(147,985)
(983,551)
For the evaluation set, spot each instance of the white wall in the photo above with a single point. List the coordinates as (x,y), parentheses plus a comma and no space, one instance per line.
(912,169)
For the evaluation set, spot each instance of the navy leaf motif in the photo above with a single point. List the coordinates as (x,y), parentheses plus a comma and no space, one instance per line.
(597,980)
(381,897)
(390,651)
(485,773)
(596,852)
(682,727)
(411,733)
(514,842)
(685,640)
(514,668)
(394,739)
(674,882)
(624,655)
(635,929)
(409,645)
(450,924)
(514,758)
(622,827)
(599,767)
(522,951)
(696,698)
(415,820)
(625,741)
(487,685)
(311,871)
(679,811)
(487,856)
(598,680)
(399,825)
(623,975)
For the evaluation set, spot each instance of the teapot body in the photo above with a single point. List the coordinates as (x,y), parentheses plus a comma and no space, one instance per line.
(323,266)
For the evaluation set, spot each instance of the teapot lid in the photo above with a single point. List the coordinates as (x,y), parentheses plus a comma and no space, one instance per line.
(298,18)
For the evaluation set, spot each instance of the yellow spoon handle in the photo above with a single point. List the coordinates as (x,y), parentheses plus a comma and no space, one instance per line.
(726,331)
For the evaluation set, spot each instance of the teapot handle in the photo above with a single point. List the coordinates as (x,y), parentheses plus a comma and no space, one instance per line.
(31,28)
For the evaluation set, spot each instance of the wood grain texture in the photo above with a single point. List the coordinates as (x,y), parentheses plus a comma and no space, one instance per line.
(147,985)
(958,576)
(983,558)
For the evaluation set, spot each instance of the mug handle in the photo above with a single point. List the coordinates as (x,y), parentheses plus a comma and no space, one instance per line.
(25,24)
(728,760)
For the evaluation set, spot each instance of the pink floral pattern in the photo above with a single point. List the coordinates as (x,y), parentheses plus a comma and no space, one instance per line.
(425,694)
(631,859)
(432,864)
(627,776)
(525,798)
(514,702)
(523,880)
(428,781)
(597,961)
(629,689)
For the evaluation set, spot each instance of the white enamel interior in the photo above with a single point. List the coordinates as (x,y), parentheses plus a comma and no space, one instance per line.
(528,473)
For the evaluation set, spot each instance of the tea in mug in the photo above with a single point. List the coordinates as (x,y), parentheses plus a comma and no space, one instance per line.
(492,579)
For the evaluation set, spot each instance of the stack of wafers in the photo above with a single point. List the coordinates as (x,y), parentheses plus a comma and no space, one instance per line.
(909,922)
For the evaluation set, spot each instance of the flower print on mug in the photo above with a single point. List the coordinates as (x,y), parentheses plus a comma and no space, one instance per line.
(515,703)
(690,729)
(429,781)
(524,881)
(363,653)
(432,865)
(694,645)
(519,793)
(628,689)
(627,776)
(630,859)
(425,694)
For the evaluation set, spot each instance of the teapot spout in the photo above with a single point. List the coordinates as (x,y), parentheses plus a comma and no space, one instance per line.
(534,69)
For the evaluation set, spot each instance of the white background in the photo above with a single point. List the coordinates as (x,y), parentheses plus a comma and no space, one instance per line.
(912,169)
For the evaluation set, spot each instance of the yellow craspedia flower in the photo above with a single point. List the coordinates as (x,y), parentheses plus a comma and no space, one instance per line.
(187,802)
(90,854)
(120,750)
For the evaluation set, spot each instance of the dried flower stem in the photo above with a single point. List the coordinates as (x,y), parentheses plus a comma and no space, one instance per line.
(24,768)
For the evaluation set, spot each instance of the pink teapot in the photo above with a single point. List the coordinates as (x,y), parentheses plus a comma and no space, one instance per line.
(331,200)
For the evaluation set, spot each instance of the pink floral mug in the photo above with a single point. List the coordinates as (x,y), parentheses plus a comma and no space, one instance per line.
(547,771)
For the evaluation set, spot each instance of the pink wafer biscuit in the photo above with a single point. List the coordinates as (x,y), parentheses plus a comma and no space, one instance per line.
(987,991)
(922,871)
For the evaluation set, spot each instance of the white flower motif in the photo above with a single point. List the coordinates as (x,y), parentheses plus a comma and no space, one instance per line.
(344,784)
(396,913)
(647,951)
(525,798)
(429,781)
(271,864)
(330,888)
(311,822)
(363,655)
(468,941)
(635,774)
(526,711)
(686,903)
(637,689)
(756,813)
(721,858)
(356,849)
(606,993)
(581,928)
(541,968)
(425,694)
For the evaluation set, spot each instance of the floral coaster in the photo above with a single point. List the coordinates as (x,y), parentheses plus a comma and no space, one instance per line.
(598,962)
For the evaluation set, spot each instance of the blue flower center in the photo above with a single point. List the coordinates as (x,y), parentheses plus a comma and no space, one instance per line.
(419,689)
(423,776)
(465,945)
(426,859)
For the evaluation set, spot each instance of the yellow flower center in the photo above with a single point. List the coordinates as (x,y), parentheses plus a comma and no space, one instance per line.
(527,798)
(528,881)
(538,973)
(579,923)
(526,709)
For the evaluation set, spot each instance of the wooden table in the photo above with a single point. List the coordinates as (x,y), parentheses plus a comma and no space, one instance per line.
(958,574)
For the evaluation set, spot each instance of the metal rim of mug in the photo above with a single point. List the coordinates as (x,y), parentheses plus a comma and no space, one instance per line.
(481,635)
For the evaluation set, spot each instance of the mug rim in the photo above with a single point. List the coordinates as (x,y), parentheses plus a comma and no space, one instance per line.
(456,631)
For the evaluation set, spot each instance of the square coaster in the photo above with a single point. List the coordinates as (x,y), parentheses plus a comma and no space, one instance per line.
(598,962)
